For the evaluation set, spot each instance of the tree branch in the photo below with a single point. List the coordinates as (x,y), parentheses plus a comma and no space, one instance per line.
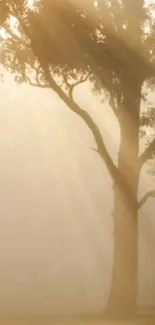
(145,198)
(74,107)
(37,85)
(72,86)
(101,148)
(147,154)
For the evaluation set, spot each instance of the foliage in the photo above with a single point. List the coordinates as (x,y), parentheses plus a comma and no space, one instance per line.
(103,41)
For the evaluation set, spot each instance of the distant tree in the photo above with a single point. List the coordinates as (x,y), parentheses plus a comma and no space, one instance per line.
(60,44)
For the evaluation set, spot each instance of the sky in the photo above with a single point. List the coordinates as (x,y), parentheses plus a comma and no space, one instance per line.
(56,241)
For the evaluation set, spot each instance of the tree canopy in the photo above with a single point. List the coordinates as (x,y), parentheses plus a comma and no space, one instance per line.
(63,43)
(94,37)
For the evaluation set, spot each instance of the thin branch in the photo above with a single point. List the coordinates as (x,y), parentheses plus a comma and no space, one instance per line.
(75,84)
(147,154)
(37,74)
(37,85)
(145,198)
(37,82)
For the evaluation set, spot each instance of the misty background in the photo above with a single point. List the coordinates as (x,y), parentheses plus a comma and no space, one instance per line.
(56,203)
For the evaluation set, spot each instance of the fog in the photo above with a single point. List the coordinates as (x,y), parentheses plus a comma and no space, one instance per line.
(56,243)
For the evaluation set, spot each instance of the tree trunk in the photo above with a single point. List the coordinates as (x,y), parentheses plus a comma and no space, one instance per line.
(123,293)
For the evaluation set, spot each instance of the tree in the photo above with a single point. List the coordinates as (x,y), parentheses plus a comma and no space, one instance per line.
(60,44)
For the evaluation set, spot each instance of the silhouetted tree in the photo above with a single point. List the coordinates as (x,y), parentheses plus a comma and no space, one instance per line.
(60,44)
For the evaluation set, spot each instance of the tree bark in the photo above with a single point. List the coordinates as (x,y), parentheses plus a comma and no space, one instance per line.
(123,293)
